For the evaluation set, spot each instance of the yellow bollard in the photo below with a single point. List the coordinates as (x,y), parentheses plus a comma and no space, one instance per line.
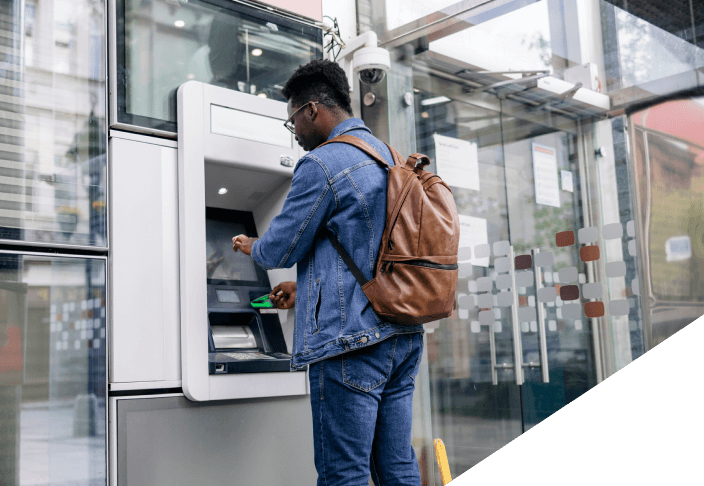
(441,456)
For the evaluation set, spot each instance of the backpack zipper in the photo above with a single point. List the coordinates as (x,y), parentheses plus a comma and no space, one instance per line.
(389,265)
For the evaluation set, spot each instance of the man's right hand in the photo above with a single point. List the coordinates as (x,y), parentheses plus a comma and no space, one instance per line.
(283,296)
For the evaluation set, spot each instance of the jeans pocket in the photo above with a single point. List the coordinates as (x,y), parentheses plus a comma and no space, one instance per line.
(419,350)
(369,367)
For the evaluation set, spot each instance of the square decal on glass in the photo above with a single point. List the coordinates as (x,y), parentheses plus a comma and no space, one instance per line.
(571,311)
(465,269)
(501,248)
(547,294)
(485,301)
(475,327)
(544,259)
(552,325)
(615,269)
(503,264)
(568,274)
(503,282)
(589,253)
(618,307)
(464,253)
(504,299)
(486,318)
(484,284)
(482,251)
(632,250)
(524,279)
(564,238)
(569,292)
(467,302)
(523,262)
(526,314)
(588,235)
(592,290)
(594,309)
(631,229)
(612,231)
(497,327)
(635,286)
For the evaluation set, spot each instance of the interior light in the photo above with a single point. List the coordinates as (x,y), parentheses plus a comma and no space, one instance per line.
(435,101)
(180,23)
(191,76)
(416,90)
(256,52)
(262,95)
(424,114)
(222,190)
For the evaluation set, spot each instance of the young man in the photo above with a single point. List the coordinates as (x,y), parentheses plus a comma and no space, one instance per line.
(362,370)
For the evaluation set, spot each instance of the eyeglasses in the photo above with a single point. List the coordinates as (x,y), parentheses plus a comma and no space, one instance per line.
(289,124)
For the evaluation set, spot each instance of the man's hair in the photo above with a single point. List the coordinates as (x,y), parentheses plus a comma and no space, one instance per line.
(319,80)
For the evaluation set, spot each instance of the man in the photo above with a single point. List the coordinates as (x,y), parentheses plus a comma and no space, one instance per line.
(362,370)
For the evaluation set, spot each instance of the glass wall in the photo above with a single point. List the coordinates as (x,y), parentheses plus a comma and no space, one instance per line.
(581,241)
(52,370)
(52,122)
(162,44)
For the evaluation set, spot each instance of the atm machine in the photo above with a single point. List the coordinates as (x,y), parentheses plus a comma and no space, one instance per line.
(201,390)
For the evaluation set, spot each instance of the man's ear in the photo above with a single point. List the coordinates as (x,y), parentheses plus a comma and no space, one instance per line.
(313,111)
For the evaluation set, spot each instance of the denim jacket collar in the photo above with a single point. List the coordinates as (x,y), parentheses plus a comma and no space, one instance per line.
(348,125)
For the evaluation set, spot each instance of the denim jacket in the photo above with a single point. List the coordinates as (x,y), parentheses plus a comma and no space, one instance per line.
(340,188)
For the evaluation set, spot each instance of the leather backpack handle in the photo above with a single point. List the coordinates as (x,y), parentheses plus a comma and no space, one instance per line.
(419,160)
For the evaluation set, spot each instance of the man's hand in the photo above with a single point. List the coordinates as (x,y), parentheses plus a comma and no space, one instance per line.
(243,243)
(284,295)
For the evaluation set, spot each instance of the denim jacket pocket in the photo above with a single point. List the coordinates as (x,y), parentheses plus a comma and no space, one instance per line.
(369,367)
(314,309)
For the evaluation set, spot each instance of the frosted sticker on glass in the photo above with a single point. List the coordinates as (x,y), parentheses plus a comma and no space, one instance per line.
(558,313)
(525,326)
(472,286)
(544,259)
(463,314)
(635,286)
(485,301)
(632,249)
(615,269)
(631,229)
(486,318)
(497,327)
(612,231)
(618,307)
(466,302)
(524,279)
(572,311)
(505,299)
(582,278)
(249,126)
(503,282)
(558,301)
(526,314)
(578,325)
(555,277)
(588,235)
(568,274)
(533,326)
(552,325)
(484,284)
(464,254)
(475,327)
(547,294)
(465,269)
(497,313)
(502,265)
(531,300)
(547,276)
(482,251)
(592,290)
(501,248)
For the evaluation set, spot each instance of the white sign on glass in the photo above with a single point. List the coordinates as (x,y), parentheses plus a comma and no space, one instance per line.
(473,232)
(457,162)
(547,189)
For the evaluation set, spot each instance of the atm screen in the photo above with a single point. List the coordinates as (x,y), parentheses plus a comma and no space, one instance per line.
(223,264)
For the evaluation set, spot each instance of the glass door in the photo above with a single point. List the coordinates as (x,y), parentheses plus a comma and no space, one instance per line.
(518,347)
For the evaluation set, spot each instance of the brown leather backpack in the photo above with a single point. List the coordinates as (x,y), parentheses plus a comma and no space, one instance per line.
(416,270)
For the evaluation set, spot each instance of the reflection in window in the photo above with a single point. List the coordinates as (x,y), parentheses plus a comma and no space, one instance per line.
(207,42)
(52,160)
(52,370)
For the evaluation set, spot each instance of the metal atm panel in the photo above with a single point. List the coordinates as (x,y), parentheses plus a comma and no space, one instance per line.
(211,149)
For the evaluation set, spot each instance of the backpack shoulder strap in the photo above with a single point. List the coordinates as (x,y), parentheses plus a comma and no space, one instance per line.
(361,145)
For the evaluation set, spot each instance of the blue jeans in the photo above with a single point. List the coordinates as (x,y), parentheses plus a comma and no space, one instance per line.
(362,404)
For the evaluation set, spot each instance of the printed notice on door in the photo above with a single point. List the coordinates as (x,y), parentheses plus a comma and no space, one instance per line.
(473,232)
(457,162)
(547,188)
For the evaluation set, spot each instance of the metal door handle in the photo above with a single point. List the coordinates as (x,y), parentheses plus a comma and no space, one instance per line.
(542,338)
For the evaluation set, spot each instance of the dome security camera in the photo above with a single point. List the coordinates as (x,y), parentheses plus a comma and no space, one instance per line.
(371,64)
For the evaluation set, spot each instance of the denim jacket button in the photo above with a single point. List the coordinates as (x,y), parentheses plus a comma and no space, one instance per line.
(376,335)
(364,340)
